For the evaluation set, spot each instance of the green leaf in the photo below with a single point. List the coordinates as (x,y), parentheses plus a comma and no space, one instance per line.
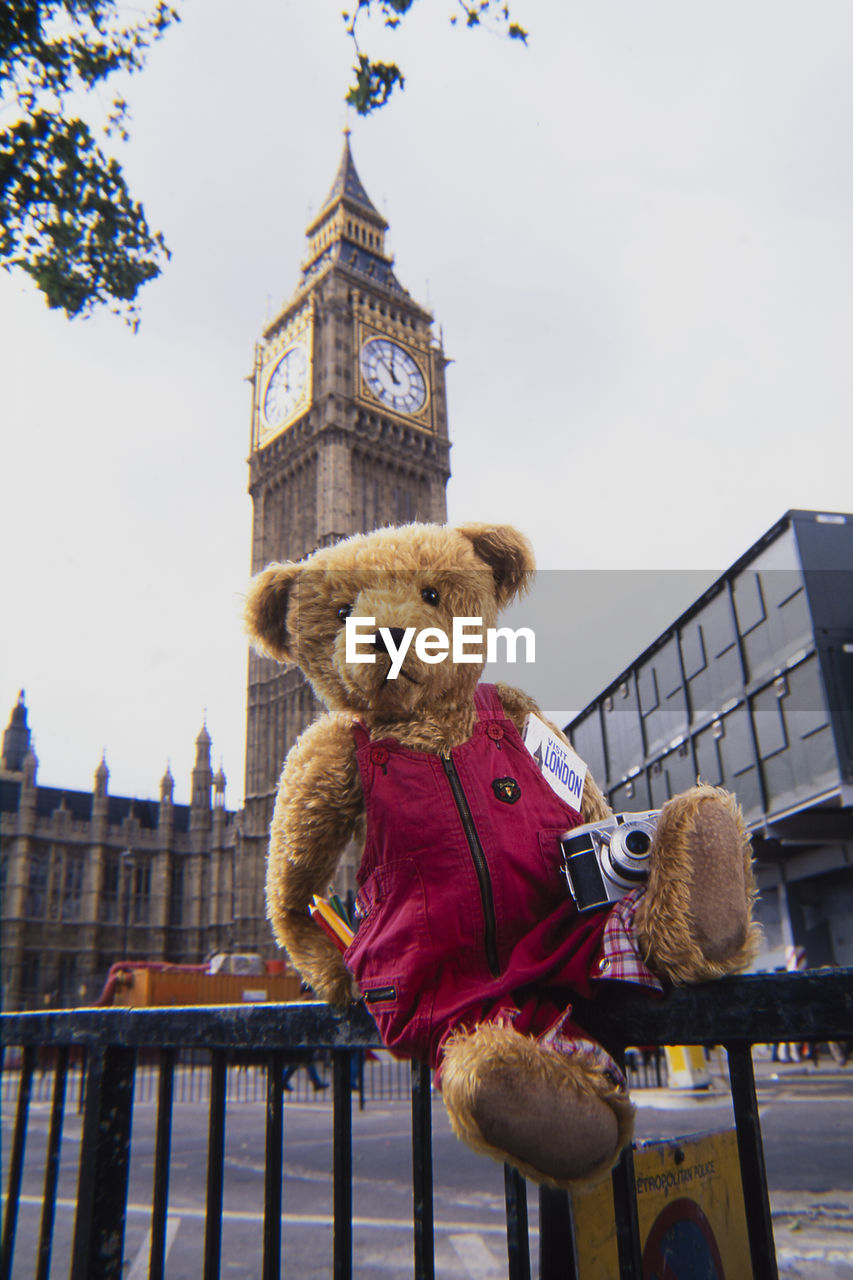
(68,220)
(374,84)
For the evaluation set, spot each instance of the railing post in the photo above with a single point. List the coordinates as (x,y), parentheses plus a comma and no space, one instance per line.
(627,1222)
(16,1163)
(342,1160)
(51,1169)
(273,1167)
(753,1172)
(422,1172)
(556,1237)
(98,1248)
(215,1167)
(162,1149)
(517,1237)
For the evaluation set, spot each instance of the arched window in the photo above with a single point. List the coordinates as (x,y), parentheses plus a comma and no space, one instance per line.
(37,886)
(72,887)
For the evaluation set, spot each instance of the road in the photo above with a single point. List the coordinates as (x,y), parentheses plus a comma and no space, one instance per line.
(807,1124)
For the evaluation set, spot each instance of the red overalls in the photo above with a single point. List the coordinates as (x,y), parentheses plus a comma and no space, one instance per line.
(463,914)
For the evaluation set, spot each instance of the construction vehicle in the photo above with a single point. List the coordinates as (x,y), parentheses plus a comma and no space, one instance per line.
(227,978)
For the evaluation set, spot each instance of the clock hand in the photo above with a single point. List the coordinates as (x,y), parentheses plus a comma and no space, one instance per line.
(388,366)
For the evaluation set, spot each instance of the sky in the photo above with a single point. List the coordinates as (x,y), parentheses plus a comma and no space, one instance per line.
(635,237)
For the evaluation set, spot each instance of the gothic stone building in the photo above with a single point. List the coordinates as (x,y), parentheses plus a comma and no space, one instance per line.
(348,432)
(88,878)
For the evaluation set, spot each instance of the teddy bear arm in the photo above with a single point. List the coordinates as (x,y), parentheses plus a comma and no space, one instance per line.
(315,957)
(518,705)
(318,810)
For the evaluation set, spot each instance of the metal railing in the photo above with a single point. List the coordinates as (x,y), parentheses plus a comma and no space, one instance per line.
(735,1013)
(381,1079)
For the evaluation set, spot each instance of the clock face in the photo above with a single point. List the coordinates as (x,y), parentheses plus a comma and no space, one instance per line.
(286,384)
(392,375)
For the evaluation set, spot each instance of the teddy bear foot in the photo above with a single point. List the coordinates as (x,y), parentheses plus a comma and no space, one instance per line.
(555,1118)
(695,920)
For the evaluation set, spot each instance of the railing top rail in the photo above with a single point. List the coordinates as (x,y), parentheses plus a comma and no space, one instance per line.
(756,1008)
(257,1027)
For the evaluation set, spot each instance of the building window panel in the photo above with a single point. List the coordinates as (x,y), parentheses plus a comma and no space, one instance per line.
(72,890)
(67,986)
(176,899)
(31,979)
(37,887)
(109,891)
(142,893)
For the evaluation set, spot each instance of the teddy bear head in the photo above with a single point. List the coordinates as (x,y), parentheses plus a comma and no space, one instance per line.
(370,620)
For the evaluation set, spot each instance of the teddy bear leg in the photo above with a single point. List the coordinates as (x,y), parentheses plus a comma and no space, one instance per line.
(558,1119)
(695,920)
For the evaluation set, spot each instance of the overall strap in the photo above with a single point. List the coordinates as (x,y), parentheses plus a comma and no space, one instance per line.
(488,704)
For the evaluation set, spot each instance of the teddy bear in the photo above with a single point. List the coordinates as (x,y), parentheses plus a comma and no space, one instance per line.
(469,952)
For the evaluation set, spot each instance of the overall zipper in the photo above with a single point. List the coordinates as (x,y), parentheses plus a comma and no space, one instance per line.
(480,865)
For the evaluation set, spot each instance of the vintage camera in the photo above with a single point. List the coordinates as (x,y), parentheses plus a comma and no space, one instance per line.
(605,860)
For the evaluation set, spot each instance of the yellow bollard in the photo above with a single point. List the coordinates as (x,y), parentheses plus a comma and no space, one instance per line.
(687,1067)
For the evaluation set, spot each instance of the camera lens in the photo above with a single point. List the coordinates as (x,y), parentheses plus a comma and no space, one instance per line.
(638,843)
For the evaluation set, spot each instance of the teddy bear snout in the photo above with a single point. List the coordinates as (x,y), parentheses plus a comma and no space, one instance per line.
(397,635)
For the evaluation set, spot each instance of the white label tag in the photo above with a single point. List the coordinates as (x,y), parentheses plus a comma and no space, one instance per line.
(561,768)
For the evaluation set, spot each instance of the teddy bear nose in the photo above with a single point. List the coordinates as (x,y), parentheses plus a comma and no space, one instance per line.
(396,634)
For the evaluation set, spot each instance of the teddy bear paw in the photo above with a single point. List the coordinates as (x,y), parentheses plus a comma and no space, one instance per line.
(695,921)
(540,1111)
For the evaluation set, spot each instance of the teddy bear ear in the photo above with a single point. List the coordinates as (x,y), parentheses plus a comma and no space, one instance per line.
(508,554)
(265,613)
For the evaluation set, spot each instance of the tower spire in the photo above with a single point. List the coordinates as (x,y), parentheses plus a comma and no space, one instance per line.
(348,186)
(16,739)
(350,231)
(102,776)
(202,775)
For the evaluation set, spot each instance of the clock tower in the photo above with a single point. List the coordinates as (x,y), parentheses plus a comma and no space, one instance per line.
(348,433)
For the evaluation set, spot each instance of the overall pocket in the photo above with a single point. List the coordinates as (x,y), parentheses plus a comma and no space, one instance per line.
(392,958)
(552,861)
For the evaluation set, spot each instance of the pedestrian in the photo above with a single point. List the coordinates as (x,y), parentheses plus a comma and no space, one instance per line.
(305,1060)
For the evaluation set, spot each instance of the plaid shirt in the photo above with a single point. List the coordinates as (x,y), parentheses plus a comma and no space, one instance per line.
(619,961)
(620,958)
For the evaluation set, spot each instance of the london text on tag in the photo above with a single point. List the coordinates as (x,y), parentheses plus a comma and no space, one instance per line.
(560,766)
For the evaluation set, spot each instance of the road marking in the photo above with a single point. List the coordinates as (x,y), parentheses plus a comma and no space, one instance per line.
(814,1255)
(139,1270)
(303,1219)
(477,1259)
(466,1237)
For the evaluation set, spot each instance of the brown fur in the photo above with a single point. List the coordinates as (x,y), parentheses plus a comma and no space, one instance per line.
(557,1119)
(292,615)
(694,922)
(318,809)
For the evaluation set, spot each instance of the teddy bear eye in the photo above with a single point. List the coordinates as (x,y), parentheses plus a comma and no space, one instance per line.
(430,596)
(344,612)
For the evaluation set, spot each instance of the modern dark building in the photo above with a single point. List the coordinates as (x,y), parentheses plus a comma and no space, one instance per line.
(752,689)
